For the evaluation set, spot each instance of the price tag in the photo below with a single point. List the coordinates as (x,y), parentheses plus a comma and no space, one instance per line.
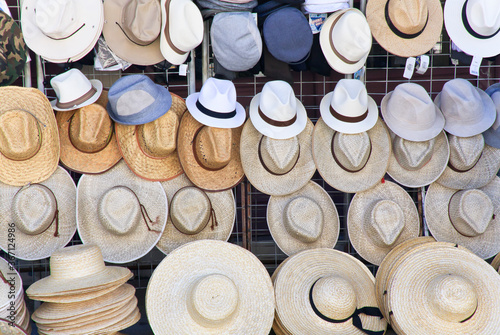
(475,65)
(183,70)
(360,73)
(409,68)
(316,22)
(422,64)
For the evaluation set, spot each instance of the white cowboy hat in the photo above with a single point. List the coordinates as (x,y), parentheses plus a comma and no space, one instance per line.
(74,90)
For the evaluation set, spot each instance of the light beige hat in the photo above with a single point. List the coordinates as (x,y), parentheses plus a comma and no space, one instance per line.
(472,163)
(10,279)
(381,218)
(67,297)
(121,213)
(305,219)
(74,90)
(467,217)
(195,214)
(42,215)
(7,328)
(219,288)
(351,162)
(495,263)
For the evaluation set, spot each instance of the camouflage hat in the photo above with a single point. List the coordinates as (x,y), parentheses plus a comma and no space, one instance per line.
(12,50)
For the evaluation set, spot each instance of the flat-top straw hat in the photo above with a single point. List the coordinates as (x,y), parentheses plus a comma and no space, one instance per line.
(74,90)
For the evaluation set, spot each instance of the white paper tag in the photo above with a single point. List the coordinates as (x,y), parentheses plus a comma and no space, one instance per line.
(475,65)
(255,18)
(316,22)
(183,70)
(409,68)
(422,64)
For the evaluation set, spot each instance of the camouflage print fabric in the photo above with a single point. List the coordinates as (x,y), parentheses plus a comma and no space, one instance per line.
(12,50)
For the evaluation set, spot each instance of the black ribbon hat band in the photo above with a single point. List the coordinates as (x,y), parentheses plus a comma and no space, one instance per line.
(214,114)
(398,32)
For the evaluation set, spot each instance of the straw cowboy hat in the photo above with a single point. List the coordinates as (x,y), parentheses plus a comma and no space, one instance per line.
(473,26)
(405,28)
(195,214)
(150,150)
(492,135)
(31,158)
(467,217)
(132,30)
(61,31)
(220,288)
(381,218)
(12,50)
(121,213)
(351,162)
(326,291)
(74,90)
(346,40)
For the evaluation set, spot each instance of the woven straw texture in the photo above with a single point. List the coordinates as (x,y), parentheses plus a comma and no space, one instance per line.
(7,329)
(5,288)
(495,263)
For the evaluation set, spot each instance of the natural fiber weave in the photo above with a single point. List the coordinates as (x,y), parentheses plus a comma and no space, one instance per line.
(7,329)
(5,288)
(495,263)
(70,297)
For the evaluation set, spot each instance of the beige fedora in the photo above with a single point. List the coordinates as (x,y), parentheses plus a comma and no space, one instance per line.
(150,150)
(219,288)
(121,213)
(351,162)
(195,214)
(303,220)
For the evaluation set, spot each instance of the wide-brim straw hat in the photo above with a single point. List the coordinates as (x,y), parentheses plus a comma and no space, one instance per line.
(43,163)
(341,179)
(223,204)
(394,40)
(327,219)
(492,135)
(5,288)
(9,328)
(220,288)
(122,235)
(294,293)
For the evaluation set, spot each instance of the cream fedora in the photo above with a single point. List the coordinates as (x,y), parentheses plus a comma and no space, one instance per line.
(74,90)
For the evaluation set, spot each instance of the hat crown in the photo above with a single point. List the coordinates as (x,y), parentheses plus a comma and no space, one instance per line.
(496,100)
(119,210)
(303,219)
(190,210)
(76,261)
(465,151)
(408,16)
(213,147)
(353,44)
(483,16)
(184,25)
(34,209)
(470,212)
(70,85)
(277,101)
(350,98)
(279,156)
(385,224)
(90,128)
(57,19)
(218,95)
(20,135)
(141,21)
(158,139)
(334,297)
(461,101)
(412,155)
(352,151)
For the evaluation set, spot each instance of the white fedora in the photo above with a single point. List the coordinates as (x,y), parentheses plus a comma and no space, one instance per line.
(74,90)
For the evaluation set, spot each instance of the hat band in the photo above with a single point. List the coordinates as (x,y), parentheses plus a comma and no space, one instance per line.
(215,114)
(356,320)
(335,51)
(110,135)
(144,213)
(68,36)
(349,119)
(450,165)
(77,101)
(131,40)
(276,123)
(167,32)
(265,166)
(4,279)
(469,29)
(340,164)
(399,32)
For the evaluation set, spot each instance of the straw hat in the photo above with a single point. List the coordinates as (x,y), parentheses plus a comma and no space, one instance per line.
(495,263)
(31,158)
(195,214)
(492,135)
(74,90)
(351,162)
(467,217)
(14,281)
(150,150)
(302,220)
(405,28)
(89,294)
(121,213)
(209,156)
(219,288)
(277,166)
(472,164)
(326,291)
(417,164)
(9,328)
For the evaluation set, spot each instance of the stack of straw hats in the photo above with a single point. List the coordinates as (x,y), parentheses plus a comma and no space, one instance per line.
(13,310)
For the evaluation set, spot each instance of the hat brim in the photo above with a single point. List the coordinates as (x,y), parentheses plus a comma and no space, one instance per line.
(233,122)
(18,293)
(492,135)
(7,327)
(340,179)
(96,84)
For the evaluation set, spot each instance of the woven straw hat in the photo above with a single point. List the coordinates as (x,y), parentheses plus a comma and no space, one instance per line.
(209,156)
(13,279)
(150,150)
(121,213)
(405,28)
(472,164)
(492,135)
(8,328)
(277,166)
(326,291)
(74,90)
(351,162)
(302,220)
(89,294)
(220,288)
(495,263)
(195,215)
(467,217)
(417,164)
(31,158)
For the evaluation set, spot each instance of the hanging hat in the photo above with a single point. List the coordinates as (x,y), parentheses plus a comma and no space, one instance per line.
(43,215)
(324,6)
(467,217)
(61,30)
(326,291)
(31,158)
(303,220)
(492,135)
(381,218)
(351,162)
(405,28)
(12,50)
(150,150)
(195,214)
(8,328)
(349,108)
(218,288)
(136,99)
(121,213)
(215,105)
(472,164)
(209,156)
(13,285)
(74,90)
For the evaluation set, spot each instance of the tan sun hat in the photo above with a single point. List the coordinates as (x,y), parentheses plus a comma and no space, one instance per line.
(209,156)
(31,158)
(121,213)
(467,217)
(381,218)
(67,297)
(8,328)
(304,219)
(195,214)
(351,162)
(326,291)
(219,288)
(150,150)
